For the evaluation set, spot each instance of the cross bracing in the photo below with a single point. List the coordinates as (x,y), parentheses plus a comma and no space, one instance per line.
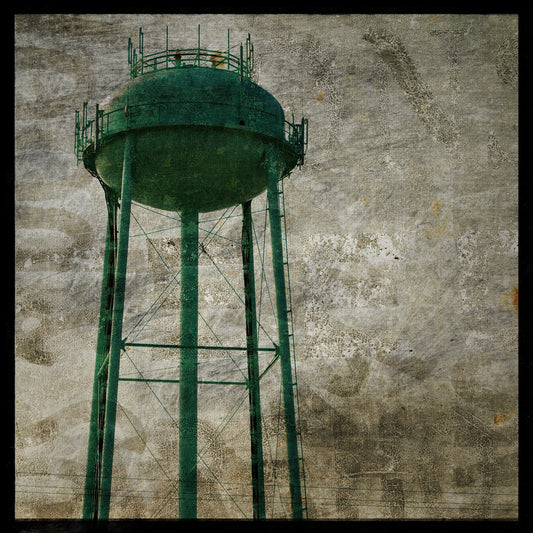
(140,356)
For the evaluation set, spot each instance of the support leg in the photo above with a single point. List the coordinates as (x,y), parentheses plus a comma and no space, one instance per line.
(283,328)
(116,333)
(188,396)
(256,436)
(94,454)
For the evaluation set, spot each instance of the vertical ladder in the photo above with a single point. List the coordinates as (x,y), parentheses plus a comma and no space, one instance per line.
(97,424)
(290,321)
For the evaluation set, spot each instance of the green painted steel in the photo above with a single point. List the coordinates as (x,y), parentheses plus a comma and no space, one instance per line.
(281,194)
(199,347)
(283,330)
(191,132)
(203,382)
(256,433)
(212,130)
(94,453)
(116,333)
(211,123)
(188,393)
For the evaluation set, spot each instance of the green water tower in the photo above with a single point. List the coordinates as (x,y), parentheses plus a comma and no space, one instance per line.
(190,133)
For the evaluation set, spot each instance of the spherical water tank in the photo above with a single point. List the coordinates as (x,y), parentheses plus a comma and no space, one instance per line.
(201,135)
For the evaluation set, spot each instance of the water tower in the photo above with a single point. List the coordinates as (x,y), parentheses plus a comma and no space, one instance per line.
(190,133)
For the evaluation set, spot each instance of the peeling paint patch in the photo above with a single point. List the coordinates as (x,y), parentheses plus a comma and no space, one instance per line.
(474,267)
(392,51)
(509,241)
(507,61)
(496,155)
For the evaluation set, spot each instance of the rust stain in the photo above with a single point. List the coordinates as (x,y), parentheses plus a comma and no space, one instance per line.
(434,19)
(435,207)
(320,96)
(365,201)
(217,59)
(501,418)
(515,298)
(511,298)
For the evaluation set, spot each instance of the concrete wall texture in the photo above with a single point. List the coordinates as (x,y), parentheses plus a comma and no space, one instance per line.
(403,240)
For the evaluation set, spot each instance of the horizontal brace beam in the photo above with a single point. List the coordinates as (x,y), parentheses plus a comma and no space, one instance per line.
(148,380)
(176,346)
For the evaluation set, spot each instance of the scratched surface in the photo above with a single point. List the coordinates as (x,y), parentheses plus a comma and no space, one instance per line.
(402,231)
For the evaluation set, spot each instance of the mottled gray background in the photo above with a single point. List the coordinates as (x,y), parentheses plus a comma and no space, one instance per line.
(402,229)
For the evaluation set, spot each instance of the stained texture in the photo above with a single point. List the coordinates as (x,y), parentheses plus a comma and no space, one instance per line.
(402,231)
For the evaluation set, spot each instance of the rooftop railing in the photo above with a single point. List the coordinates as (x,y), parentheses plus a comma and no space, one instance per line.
(93,131)
(170,58)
